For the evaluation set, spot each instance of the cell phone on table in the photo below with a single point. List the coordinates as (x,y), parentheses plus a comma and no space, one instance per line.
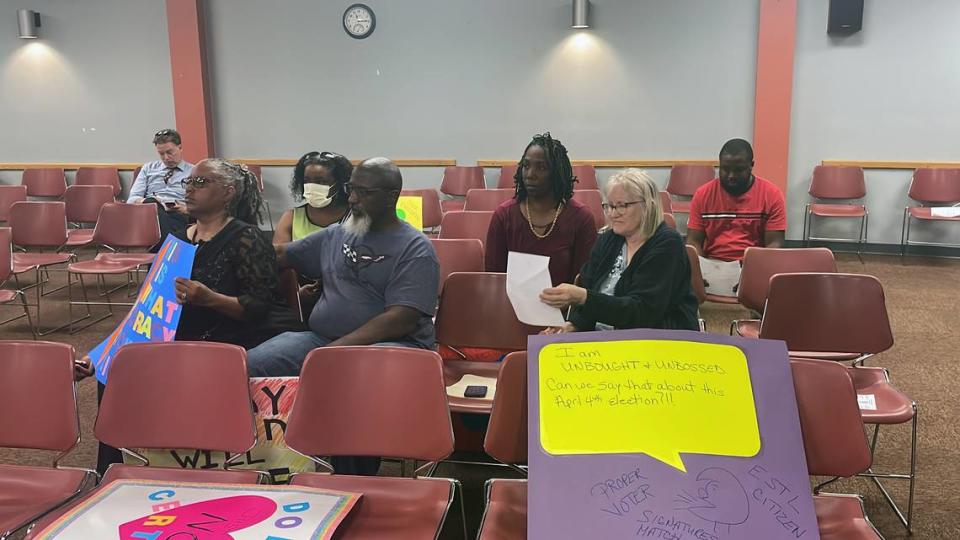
(475,391)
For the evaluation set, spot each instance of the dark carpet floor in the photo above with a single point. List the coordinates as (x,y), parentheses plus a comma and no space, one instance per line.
(921,295)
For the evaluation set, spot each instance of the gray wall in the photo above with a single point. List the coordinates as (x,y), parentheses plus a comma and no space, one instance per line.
(94,87)
(890,92)
(472,80)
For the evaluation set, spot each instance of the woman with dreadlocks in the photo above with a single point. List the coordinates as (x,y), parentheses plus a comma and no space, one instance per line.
(318,180)
(542,218)
(232,296)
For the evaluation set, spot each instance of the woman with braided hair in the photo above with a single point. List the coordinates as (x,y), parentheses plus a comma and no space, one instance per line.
(232,294)
(542,218)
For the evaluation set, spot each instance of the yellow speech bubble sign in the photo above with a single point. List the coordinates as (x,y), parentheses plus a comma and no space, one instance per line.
(410,209)
(660,398)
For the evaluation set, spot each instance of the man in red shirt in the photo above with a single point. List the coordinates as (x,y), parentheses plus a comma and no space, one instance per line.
(736,210)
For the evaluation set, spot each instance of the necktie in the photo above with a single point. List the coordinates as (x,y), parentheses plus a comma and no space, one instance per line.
(170,171)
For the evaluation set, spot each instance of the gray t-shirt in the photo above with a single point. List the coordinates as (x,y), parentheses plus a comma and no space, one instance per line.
(362,277)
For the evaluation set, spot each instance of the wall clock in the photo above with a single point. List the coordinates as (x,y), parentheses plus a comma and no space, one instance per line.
(359,21)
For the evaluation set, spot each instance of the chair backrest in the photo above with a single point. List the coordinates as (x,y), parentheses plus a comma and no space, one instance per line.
(6,253)
(827,312)
(290,289)
(8,196)
(507,173)
(39,223)
(458,255)
(666,203)
(37,396)
(935,186)
(84,202)
(506,439)
(122,225)
(696,275)
(179,394)
(592,199)
(834,182)
(458,180)
(432,212)
(833,435)
(465,225)
(99,176)
(469,297)
(685,179)
(44,182)
(760,264)
(487,200)
(586,177)
(670,220)
(401,411)
(136,172)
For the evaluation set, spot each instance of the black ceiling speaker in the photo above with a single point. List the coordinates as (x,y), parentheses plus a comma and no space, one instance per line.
(846,17)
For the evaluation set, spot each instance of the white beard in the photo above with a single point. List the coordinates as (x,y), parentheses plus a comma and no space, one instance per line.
(358,225)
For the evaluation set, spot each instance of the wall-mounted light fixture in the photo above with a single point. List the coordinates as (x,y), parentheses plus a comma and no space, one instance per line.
(28,21)
(581,14)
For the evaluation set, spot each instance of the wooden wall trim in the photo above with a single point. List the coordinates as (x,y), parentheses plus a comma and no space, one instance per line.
(66,166)
(611,163)
(893,164)
(249,161)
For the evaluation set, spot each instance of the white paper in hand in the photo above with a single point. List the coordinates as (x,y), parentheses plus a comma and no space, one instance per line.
(945,211)
(527,276)
(721,277)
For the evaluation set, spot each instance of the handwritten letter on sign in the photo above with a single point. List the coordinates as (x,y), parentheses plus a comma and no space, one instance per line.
(664,434)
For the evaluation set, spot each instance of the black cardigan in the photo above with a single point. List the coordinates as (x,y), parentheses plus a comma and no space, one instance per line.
(653,292)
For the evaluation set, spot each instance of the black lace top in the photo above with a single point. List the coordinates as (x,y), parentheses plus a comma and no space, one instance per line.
(237,262)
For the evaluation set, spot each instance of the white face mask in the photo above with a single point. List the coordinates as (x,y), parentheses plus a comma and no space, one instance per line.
(317,195)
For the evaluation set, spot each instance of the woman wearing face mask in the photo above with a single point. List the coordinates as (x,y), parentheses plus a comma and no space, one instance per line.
(318,180)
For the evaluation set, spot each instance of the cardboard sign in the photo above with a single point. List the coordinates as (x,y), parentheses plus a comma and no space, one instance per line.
(155,314)
(664,434)
(272,399)
(132,510)
(410,209)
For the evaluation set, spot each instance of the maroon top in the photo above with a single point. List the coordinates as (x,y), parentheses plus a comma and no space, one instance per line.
(568,244)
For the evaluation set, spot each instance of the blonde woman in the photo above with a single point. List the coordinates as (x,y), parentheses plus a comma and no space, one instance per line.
(637,274)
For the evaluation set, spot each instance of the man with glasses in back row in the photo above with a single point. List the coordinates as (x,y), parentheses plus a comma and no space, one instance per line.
(159,182)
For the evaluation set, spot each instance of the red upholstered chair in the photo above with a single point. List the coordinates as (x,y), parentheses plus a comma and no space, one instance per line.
(670,220)
(507,173)
(831,183)
(44,182)
(684,181)
(845,313)
(432,212)
(40,225)
(99,176)
(933,187)
(834,443)
(180,394)
(760,264)
(696,281)
(592,199)
(457,181)
(6,270)
(465,225)
(505,513)
(458,255)
(666,203)
(83,206)
(8,196)
(39,404)
(402,412)
(586,177)
(136,172)
(487,200)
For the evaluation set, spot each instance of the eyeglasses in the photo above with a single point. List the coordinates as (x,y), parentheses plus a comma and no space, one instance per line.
(360,191)
(619,208)
(196,181)
(164,133)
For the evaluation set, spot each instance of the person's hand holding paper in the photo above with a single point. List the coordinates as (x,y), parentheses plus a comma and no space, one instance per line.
(528,276)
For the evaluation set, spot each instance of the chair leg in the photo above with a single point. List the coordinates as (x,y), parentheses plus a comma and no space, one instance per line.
(26,312)
(904,233)
(907,520)
(862,238)
(463,508)
(806,225)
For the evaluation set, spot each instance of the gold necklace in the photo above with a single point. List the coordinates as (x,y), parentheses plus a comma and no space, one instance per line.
(552,225)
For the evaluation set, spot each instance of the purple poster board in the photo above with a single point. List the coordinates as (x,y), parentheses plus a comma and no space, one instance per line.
(763,493)
(156,312)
